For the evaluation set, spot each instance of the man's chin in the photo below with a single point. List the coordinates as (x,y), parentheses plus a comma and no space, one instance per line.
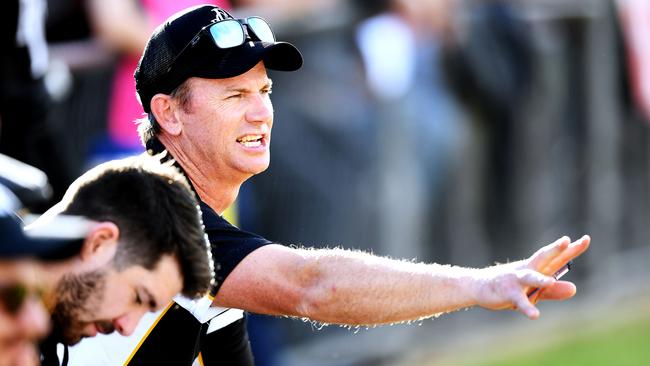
(260,166)
(72,340)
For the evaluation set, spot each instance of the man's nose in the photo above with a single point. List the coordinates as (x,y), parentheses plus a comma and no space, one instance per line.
(126,324)
(33,319)
(261,109)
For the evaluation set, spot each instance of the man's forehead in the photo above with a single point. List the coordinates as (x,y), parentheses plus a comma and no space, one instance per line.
(235,83)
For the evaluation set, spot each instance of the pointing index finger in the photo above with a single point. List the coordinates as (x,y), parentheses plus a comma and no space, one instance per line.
(544,256)
(574,250)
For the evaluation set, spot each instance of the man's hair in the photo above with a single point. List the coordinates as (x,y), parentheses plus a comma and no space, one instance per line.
(156,212)
(148,127)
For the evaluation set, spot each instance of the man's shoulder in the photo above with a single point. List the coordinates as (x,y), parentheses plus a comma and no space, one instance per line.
(219,230)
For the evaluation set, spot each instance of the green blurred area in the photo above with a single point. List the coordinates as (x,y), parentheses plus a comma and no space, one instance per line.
(620,343)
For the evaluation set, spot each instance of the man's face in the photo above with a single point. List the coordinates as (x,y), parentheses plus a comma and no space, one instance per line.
(226,127)
(23,318)
(107,300)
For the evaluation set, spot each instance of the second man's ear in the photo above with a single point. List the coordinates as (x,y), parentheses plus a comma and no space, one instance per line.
(101,243)
(162,107)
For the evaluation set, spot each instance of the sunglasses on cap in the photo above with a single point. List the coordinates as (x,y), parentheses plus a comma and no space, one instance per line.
(229,33)
(13,297)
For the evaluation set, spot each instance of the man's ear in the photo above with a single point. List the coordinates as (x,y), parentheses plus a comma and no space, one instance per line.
(101,243)
(162,107)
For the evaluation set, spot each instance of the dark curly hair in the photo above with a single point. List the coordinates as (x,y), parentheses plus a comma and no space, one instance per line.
(156,212)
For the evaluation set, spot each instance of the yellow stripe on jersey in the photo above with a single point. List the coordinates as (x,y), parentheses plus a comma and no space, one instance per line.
(231,214)
(147,334)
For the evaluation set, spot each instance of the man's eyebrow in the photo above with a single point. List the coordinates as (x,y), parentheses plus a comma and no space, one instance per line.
(235,88)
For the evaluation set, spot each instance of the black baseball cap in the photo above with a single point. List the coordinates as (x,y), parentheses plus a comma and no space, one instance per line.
(160,70)
(54,238)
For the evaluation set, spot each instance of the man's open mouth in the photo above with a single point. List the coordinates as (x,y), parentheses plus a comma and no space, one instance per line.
(251,140)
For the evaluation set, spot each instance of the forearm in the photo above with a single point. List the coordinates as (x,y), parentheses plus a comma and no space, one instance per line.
(344,287)
(358,288)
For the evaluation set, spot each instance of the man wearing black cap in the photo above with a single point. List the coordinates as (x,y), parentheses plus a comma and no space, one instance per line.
(132,237)
(202,80)
(23,317)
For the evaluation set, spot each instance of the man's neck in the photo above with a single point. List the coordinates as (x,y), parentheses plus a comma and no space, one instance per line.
(216,190)
(218,196)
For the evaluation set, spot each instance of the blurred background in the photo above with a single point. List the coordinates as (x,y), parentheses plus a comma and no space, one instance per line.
(452,131)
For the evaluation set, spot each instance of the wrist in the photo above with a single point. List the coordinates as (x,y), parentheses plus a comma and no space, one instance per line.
(466,285)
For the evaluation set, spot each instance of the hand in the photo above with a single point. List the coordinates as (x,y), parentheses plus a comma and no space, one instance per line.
(506,286)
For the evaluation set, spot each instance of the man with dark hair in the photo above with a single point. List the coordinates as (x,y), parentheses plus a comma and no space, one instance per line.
(143,243)
(202,80)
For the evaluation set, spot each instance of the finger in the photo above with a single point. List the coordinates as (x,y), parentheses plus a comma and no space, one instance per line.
(531,278)
(560,290)
(536,282)
(543,257)
(574,250)
(524,305)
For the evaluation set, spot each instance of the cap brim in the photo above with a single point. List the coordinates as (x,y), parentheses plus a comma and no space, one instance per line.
(28,183)
(281,56)
(59,238)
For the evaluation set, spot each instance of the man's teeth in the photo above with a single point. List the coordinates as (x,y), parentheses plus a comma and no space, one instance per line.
(251,143)
(251,140)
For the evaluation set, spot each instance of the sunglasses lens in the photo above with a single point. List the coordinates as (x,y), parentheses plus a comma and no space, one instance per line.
(261,28)
(227,34)
(13,297)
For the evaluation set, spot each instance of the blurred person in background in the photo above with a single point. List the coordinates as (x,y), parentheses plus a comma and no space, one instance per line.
(25,133)
(635,18)
(24,257)
(23,317)
(202,80)
(422,128)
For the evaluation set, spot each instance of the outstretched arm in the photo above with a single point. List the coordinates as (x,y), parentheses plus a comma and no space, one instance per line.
(355,288)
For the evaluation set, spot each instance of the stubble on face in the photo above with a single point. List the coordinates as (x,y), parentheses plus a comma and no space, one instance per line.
(78,297)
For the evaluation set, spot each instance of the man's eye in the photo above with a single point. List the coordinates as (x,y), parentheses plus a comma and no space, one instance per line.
(267,91)
(234,96)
